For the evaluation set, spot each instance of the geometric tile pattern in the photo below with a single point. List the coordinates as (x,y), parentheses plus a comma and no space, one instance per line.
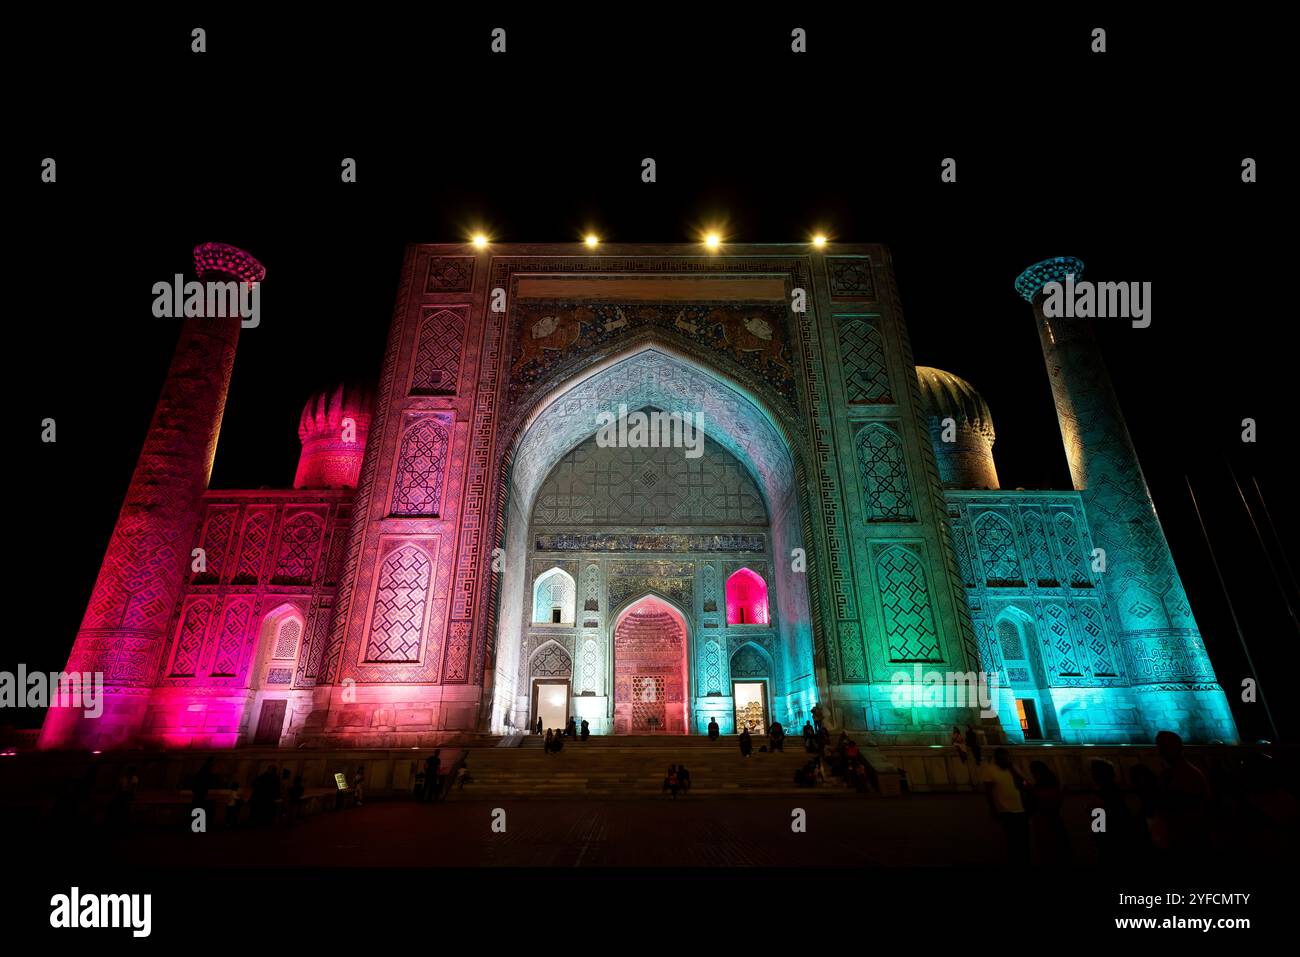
(1058,638)
(997,545)
(886,493)
(189,644)
(592,485)
(253,545)
(850,277)
(1009,638)
(910,632)
(862,351)
(437,357)
(398,616)
(417,490)
(450,274)
(1040,557)
(300,541)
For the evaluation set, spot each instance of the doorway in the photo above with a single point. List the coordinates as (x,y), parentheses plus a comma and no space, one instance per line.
(270,723)
(1028,715)
(751,706)
(551,703)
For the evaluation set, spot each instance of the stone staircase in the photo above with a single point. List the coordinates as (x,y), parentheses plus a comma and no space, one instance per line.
(634,767)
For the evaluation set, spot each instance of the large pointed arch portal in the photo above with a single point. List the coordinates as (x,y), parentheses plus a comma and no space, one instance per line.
(656,376)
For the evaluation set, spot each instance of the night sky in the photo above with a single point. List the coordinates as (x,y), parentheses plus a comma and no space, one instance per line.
(1057,154)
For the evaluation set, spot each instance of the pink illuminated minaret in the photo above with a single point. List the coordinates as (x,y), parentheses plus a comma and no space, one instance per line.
(124,630)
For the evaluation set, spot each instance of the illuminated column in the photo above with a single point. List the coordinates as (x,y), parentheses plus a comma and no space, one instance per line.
(125,626)
(1172,680)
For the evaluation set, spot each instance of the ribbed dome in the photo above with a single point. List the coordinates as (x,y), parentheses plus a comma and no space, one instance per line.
(944,394)
(333,428)
(326,410)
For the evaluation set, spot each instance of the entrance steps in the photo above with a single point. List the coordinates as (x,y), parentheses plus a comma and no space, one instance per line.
(619,767)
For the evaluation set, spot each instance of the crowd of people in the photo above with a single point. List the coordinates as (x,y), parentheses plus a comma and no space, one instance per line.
(1175,815)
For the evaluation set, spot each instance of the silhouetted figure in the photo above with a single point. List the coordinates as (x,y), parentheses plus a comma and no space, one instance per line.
(571,729)
(1002,786)
(282,799)
(295,797)
(584,730)
(973,744)
(1184,808)
(746,745)
(549,744)
(776,737)
(1121,836)
(234,804)
(714,730)
(1043,798)
(265,789)
(683,779)
(809,737)
(816,714)
(557,742)
(958,742)
(432,770)
(359,785)
(202,785)
(670,781)
(1146,785)
(462,773)
(119,811)
(538,729)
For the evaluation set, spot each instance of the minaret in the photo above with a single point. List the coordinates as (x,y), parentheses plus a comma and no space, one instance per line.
(124,631)
(1172,681)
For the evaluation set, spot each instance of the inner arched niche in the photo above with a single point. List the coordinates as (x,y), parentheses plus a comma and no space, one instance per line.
(656,377)
(651,672)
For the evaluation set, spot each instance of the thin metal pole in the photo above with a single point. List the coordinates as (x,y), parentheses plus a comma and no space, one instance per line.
(1250,663)
(1277,580)
(1259,494)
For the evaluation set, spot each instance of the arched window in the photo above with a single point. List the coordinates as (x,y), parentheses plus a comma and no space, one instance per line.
(280,640)
(746,599)
(554,595)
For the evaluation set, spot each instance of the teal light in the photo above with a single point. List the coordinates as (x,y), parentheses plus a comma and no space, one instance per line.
(1031,282)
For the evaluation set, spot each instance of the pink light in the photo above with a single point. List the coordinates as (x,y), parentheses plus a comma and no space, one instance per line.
(746,599)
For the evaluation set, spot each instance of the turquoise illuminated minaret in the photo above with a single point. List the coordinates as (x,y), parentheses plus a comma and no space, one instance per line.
(1172,682)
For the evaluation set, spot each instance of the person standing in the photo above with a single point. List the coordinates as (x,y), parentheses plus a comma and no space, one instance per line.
(816,714)
(1002,787)
(746,745)
(538,728)
(714,730)
(1043,799)
(432,769)
(359,784)
(973,743)
(584,730)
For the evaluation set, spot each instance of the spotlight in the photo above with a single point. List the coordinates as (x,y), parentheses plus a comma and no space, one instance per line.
(480,240)
(592,240)
(819,240)
(712,240)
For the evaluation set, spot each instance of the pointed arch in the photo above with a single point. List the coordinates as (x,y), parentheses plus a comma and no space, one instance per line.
(746,598)
(554,591)
(882,468)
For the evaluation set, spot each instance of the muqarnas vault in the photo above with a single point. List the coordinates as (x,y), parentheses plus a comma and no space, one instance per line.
(459,554)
